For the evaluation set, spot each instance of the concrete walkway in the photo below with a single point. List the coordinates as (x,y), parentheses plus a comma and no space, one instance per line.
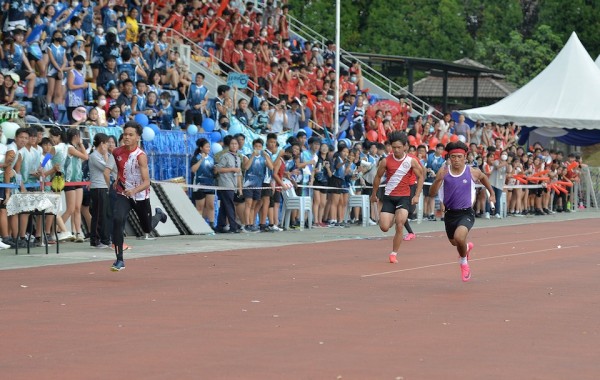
(81,252)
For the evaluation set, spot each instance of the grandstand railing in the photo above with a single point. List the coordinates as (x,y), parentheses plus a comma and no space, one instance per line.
(374,80)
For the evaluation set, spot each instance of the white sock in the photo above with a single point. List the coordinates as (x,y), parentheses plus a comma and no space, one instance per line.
(393,253)
(463,260)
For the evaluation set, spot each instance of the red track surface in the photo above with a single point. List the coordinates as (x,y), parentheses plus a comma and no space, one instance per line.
(318,311)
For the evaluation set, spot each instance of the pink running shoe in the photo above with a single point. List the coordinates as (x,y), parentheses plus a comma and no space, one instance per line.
(465,272)
(408,237)
(470,246)
(393,259)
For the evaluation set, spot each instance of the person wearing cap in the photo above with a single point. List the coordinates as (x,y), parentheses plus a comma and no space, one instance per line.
(455,183)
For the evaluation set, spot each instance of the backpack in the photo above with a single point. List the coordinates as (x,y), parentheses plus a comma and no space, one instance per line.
(41,109)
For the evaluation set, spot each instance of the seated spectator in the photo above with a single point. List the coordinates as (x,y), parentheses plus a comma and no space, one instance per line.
(108,76)
(8,87)
(114,117)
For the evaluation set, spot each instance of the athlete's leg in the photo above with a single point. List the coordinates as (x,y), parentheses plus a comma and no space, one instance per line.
(401,216)
(460,240)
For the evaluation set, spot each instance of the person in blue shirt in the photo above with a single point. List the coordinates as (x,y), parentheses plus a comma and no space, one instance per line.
(166,113)
(196,99)
(203,169)
(115,119)
(435,161)
(337,172)
(256,166)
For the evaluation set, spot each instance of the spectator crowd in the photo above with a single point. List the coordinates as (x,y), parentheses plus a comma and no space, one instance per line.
(102,63)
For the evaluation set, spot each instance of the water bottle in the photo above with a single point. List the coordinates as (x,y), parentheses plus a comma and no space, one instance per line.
(90,94)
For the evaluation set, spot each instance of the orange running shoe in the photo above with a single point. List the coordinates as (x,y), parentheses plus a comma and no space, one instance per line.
(393,259)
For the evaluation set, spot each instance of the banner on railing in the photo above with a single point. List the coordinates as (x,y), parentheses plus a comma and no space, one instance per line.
(237,80)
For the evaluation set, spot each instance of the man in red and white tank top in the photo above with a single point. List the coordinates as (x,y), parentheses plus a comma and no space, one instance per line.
(399,168)
(133,190)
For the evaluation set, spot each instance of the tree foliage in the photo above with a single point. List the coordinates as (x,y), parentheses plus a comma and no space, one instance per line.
(518,37)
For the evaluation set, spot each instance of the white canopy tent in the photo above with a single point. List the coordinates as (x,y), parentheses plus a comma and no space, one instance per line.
(598,61)
(564,95)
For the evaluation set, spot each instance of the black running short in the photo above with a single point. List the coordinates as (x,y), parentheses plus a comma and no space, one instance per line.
(456,218)
(392,204)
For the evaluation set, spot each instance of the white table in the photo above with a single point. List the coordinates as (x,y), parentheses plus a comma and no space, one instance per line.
(35,202)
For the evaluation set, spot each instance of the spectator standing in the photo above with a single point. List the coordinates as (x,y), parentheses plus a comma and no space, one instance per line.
(463,129)
(229,170)
(255,167)
(278,117)
(76,154)
(498,179)
(100,167)
(295,116)
(203,166)
(75,87)
(195,100)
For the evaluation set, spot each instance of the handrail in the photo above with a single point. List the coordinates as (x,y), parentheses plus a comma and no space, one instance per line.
(374,76)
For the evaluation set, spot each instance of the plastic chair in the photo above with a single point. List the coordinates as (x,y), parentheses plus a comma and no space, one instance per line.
(364,203)
(291,201)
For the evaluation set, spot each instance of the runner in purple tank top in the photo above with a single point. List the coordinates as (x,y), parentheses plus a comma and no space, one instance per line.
(456,187)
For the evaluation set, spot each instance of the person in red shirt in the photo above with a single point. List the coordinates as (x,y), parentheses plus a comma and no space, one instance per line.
(176,19)
(273,79)
(237,57)
(236,27)
(285,76)
(220,28)
(284,29)
(294,85)
(227,51)
(285,52)
(319,110)
(133,190)
(250,67)
(399,168)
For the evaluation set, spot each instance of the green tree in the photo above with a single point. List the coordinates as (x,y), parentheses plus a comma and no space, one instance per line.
(580,16)
(521,59)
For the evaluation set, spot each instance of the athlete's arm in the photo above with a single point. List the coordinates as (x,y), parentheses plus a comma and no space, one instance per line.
(419,172)
(377,180)
(439,177)
(483,179)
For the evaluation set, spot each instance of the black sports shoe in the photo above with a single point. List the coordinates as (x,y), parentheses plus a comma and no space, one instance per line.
(163,216)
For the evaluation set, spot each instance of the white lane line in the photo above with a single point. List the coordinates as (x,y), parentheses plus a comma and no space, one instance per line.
(478,259)
(540,239)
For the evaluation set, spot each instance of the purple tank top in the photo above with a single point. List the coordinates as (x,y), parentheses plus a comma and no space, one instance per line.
(458,191)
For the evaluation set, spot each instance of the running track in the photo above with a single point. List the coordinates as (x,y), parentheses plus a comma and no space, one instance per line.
(333,310)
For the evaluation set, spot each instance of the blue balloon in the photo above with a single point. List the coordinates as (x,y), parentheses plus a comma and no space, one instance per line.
(192,129)
(215,148)
(342,135)
(142,119)
(147,134)
(308,131)
(215,136)
(154,127)
(208,124)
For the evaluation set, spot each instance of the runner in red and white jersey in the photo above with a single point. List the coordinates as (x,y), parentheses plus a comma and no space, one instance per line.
(398,167)
(133,190)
